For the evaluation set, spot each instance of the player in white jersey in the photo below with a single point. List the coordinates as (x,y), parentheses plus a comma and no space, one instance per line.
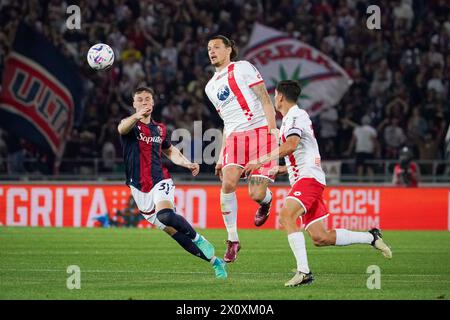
(239,95)
(300,150)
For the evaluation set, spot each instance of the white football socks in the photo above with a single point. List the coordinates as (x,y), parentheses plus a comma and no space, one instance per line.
(297,243)
(196,238)
(229,208)
(345,237)
(267,198)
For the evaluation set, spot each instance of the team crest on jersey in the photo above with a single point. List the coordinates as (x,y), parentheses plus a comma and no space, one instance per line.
(160,131)
(223,93)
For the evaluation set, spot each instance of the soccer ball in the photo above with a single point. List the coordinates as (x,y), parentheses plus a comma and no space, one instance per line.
(100,56)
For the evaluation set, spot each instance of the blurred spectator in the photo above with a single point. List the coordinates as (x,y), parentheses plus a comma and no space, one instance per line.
(3,153)
(127,217)
(132,68)
(428,148)
(406,172)
(394,137)
(447,151)
(382,80)
(328,132)
(365,141)
(417,126)
(335,42)
(435,83)
(170,52)
(108,155)
(19,158)
(403,14)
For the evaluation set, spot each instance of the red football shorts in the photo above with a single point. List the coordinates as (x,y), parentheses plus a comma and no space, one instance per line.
(308,192)
(242,147)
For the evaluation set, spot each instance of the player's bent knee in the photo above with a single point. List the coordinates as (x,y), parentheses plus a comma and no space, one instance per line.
(166,216)
(228,186)
(320,240)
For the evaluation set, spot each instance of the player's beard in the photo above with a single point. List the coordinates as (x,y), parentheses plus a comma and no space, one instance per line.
(218,63)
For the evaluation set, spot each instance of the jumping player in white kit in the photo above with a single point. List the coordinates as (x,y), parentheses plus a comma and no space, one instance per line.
(239,95)
(300,150)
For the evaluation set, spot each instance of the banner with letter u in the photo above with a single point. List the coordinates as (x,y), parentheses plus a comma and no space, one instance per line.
(41,92)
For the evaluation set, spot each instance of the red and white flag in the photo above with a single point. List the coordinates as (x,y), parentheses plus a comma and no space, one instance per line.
(279,56)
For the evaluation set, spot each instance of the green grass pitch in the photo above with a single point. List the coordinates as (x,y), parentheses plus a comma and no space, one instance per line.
(148,264)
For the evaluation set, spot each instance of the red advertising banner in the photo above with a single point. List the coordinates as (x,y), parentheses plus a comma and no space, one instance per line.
(350,207)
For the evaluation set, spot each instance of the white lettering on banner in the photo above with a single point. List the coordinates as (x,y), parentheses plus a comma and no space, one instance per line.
(200,194)
(98,207)
(374,200)
(22,211)
(360,208)
(347,202)
(43,210)
(184,203)
(355,222)
(178,196)
(357,201)
(360,200)
(59,200)
(77,194)
(280,195)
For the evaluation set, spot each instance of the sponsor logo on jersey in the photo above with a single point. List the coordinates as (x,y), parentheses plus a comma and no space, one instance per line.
(146,139)
(223,93)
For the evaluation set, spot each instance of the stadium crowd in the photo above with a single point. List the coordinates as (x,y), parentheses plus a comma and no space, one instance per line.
(401,73)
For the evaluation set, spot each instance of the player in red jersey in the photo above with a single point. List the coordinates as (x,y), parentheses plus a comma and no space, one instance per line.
(144,141)
(239,95)
(301,152)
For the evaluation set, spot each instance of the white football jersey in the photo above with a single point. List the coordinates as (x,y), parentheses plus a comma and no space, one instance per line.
(304,162)
(230,92)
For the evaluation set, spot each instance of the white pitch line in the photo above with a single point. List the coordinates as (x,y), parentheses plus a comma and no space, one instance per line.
(198,272)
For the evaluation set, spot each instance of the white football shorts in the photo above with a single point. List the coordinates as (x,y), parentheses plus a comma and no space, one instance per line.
(146,201)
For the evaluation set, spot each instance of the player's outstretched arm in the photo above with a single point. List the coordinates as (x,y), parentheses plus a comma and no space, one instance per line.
(269,110)
(278,171)
(127,124)
(285,149)
(175,155)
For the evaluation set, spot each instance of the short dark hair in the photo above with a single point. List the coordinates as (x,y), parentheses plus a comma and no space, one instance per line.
(143,89)
(228,43)
(290,89)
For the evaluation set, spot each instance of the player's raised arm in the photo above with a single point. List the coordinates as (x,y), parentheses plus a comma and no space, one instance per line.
(127,124)
(269,110)
(175,155)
